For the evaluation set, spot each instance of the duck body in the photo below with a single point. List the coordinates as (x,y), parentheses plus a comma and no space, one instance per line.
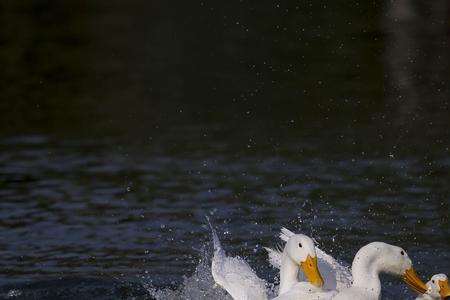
(305,290)
(355,293)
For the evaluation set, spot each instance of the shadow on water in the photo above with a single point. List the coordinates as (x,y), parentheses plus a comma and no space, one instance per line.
(123,124)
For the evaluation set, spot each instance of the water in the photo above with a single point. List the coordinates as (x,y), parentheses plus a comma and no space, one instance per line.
(123,125)
(109,214)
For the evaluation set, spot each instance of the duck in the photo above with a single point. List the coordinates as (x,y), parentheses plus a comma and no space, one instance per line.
(437,288)
(235,276)
(300,251)
(336,275)
(374,259)
(369,262)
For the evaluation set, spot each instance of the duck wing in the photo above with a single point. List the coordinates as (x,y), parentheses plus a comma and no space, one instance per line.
(234,274)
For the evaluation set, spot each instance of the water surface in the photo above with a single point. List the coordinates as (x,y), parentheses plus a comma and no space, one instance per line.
(123,125)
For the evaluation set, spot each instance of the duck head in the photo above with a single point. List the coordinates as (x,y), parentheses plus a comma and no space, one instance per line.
(438,287)
(301,250)
(393,260)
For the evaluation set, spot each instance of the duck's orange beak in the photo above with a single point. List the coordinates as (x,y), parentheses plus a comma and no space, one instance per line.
(413,281)
(444,290)
(312,271)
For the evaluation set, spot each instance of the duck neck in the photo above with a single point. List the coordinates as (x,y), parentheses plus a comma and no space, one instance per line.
(288,273)
(366,273)
(427,297)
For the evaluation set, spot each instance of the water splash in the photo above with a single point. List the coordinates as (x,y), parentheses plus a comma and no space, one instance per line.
(14,293)
(199,286)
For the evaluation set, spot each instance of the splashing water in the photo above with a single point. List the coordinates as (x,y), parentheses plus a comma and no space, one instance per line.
(199,286)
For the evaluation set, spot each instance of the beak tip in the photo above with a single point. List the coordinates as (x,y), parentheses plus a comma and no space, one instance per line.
(312,272)
(412,279)
(444,289)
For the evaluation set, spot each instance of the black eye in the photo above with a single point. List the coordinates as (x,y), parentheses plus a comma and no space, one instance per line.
(432,281)
(300,245)
(402,253)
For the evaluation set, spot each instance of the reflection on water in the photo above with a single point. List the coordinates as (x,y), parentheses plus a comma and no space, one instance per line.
(123,124)
(417,57)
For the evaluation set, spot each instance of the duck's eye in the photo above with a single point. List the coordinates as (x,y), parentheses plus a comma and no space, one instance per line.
(432,281)
(300,245)
(402,253)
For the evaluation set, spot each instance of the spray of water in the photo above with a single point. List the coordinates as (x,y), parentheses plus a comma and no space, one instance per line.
(199,286)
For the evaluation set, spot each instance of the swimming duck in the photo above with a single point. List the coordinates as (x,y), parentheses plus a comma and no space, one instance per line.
(370,261)
(336,275)
(437,288)
(235,276)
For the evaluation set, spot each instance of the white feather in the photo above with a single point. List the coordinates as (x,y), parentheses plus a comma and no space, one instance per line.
(234,274)
(304,290)
(274,257)
(286,234)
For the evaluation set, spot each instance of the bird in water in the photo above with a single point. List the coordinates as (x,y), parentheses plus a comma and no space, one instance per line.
(240,281)
(437,288)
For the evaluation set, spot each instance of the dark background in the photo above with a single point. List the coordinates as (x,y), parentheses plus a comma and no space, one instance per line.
(237,68)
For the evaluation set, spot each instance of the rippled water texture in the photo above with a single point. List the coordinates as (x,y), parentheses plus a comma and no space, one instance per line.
(123,125)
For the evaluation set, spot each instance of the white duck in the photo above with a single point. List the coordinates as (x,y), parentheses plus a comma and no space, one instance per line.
(299,251)
(240,281)
(437,288)
(336,276)
(369,262)
(372,260)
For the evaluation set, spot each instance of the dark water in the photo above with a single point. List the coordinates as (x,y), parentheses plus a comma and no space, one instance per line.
(123,125)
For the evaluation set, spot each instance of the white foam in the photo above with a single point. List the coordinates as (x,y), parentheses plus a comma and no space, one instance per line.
(199,286)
